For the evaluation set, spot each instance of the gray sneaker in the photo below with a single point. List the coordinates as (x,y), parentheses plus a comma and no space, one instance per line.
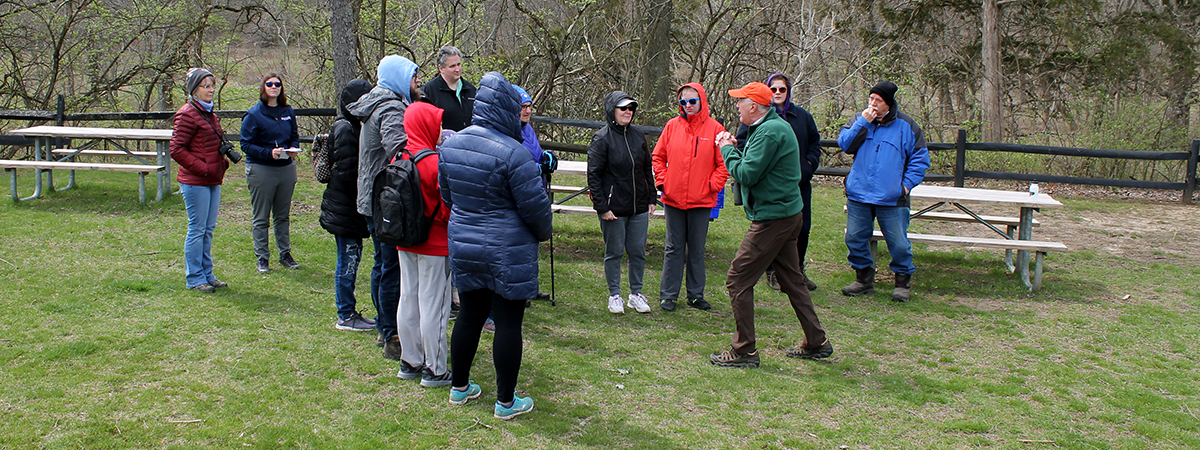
(409,372)
(428,379)
(355,322)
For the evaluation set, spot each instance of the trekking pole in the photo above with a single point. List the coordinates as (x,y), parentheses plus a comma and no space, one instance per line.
(550,195)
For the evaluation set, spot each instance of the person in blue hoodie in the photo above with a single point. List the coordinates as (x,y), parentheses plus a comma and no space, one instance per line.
(890,159)
(269,138)
(381,112)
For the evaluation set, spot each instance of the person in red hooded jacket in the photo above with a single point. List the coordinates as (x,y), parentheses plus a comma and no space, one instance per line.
(424,310)
(690,172)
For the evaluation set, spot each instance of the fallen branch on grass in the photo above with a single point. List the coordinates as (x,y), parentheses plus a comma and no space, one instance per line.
(185,421)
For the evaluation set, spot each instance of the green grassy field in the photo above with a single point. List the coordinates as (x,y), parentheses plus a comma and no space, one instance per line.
(103,347)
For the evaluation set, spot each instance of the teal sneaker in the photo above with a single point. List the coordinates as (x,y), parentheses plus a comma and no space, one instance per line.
(521,405)
(458,397)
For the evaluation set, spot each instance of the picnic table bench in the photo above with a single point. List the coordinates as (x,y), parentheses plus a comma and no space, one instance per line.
(11,167)
(1040,248)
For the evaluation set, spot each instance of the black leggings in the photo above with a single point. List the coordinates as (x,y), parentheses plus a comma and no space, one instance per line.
(474,308)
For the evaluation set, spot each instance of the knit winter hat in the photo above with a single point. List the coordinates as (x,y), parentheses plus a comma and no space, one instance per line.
(887,91)
(195,75)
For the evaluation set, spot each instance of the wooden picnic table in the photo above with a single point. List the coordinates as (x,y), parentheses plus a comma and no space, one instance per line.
(963,198)
(44,151)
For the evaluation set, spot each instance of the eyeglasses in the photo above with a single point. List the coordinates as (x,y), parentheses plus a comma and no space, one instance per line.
(527,106)
(779,90)
(627,108)
(273,84)
(689,101)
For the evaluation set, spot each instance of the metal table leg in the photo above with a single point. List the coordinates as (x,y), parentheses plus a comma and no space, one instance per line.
(1025,233)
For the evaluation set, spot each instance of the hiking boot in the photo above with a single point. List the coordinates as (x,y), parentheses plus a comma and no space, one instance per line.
(903,288)
(699,303)
(772,282)
(391,348)
(379,340)
(666,305)
(356,322)
(638,303)
(428,379)
(542,296)
(218,284)
(287,261)
(803,352)
(460,397)
(204,287)
(729,358)
(489,326)
(864,282)
(808,282)
(409,372)
(264,265)
(520,405)
(615,305)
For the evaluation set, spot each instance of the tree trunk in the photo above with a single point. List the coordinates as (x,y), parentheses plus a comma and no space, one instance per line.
(657,88)
(343,41)
(993,120)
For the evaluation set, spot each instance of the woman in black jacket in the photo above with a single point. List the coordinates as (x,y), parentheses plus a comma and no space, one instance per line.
(339,213)
(621,185)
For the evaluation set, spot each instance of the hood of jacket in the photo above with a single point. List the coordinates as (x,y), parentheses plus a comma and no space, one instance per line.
(610,109)
(353,91)
(423,124)
(498,106)
(396,73)
(703,114)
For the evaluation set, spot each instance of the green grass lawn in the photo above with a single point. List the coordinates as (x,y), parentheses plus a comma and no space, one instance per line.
(103,347)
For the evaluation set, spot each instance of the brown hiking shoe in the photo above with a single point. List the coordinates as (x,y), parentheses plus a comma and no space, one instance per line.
(903,288)
(391,348)
(864,283)
(729,358)
(824,350)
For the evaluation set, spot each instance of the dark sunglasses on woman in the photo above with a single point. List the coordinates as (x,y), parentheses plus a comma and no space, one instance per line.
(273,84)
(779,90)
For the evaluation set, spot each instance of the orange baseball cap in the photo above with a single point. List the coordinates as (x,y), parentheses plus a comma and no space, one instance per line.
(756,91)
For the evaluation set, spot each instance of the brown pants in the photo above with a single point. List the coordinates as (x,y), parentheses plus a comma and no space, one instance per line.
(767,242)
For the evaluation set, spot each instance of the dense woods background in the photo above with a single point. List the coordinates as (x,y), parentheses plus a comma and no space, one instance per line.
(1102,74)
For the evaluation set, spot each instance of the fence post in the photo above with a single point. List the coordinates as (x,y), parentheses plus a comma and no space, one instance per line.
(960,157)
(1189,186)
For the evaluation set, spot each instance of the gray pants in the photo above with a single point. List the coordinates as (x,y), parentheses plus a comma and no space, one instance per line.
(271,194)
(626,235)
(687,229)
(424,311)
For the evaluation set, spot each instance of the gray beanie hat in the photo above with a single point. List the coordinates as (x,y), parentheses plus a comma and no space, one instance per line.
(194,76)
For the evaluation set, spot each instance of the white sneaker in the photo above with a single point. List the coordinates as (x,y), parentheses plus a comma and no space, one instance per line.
(638,303)
(614,305)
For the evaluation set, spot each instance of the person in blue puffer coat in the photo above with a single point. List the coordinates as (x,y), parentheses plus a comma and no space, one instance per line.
(890,158)
(499,212)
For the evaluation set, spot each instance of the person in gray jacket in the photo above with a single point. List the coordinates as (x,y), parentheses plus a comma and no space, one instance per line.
(382,114)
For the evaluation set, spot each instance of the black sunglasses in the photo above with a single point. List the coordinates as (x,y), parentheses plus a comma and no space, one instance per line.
(779,90)
(689,101)
(627,108)
(273,84)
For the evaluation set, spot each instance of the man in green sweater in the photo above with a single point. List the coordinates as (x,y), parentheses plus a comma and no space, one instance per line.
(767,170)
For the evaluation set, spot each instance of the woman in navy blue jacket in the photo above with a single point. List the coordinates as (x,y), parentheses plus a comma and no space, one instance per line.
(269,139)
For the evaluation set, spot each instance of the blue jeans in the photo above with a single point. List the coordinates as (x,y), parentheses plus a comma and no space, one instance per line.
(626,235)
(202,203)
(893,222)
(349,253)
(385,284)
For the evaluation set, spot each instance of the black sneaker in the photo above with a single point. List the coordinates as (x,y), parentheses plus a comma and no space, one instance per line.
(699,303)
(204,287)
(824,350)
(391,348)
(428,379)
(264,265)
(729,358)
(289,262)
(409,372)
(667,305)
(542,296)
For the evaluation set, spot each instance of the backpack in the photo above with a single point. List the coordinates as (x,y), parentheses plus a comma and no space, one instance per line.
(399,208)
(321,168)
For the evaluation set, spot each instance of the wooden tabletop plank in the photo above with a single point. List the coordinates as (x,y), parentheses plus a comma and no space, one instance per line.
(983,197)
(68,151)
(144,134)
(571,168)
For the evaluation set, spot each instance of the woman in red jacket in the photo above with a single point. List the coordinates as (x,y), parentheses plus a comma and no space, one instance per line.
(196,147)
(690,173)
(424,310)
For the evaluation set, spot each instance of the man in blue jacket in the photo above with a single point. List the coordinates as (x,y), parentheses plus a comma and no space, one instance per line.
(890,159)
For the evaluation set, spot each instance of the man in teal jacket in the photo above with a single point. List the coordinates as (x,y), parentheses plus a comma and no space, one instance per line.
(767,170)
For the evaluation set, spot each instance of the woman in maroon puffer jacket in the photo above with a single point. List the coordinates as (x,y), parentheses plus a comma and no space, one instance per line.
(195,146)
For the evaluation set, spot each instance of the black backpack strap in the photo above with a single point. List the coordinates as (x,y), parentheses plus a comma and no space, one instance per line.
(417,158)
